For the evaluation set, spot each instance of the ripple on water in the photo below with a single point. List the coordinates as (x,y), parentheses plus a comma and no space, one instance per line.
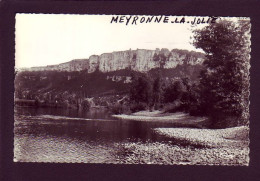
(44,148)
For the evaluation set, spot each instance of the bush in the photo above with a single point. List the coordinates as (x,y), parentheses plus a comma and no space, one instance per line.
(174,92)
(196,111)
(85,105)
(118,108)
(135,107)
(172,107)
(222,121)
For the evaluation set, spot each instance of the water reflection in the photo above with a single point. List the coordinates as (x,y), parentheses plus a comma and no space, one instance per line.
(88,140)
(74,113)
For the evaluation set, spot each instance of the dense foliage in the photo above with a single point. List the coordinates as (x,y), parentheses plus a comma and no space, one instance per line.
(155,92)
(225,81)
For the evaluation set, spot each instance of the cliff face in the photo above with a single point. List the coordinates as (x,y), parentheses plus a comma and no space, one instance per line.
(74,65)
(139,60)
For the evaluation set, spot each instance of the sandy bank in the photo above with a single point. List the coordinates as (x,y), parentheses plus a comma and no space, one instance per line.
(216,138)
(179,117)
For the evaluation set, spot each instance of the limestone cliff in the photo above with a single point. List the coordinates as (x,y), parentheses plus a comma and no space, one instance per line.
(74,65)
(141,60)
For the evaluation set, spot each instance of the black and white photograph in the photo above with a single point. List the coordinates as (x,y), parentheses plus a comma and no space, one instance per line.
(132,89)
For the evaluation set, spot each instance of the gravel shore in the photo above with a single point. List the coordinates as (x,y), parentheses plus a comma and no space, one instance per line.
(168,154)
(194,147)
(215,138)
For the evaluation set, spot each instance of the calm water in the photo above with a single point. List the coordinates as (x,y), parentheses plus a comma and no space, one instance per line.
(67,135)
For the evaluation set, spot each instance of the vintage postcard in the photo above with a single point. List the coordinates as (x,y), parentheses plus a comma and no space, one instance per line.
(132,89)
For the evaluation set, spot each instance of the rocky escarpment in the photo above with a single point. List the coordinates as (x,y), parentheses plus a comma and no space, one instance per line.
(71,66)
(141,60)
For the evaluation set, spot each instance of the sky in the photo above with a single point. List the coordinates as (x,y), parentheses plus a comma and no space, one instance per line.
(48,39)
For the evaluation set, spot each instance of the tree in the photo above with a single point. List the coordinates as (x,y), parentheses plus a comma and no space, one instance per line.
(174,91)
(141,89)
(85,105)
(186,93)
(157,90)
(161,59)
(225,81)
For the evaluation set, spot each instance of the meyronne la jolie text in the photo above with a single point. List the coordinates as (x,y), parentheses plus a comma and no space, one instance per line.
(135,20)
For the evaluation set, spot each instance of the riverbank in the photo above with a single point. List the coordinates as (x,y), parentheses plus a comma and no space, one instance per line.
(212,138)
(168,154)
(179,118)
(189,146)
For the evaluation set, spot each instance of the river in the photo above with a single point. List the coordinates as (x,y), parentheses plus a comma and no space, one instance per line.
(68,135)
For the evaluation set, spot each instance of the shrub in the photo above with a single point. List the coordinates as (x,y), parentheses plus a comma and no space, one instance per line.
(172,107)
(222,121)
(135,107)
(118,108)
(85,105)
